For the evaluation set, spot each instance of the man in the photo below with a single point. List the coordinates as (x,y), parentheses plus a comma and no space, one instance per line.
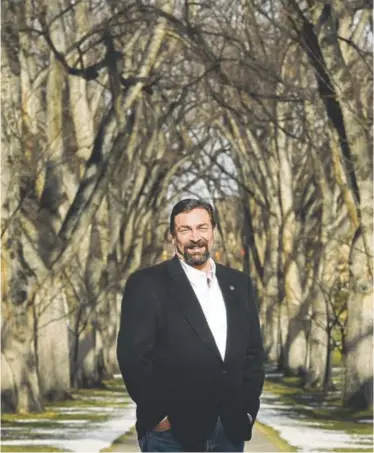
(189,346)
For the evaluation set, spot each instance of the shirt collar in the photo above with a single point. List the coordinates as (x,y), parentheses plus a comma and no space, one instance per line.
(196,275)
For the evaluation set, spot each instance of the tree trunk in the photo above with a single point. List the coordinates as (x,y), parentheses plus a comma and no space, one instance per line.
(17,345)
(295,353)
(319,341)
(358,387)
(8,387)
(271,303)
(51,340)
(89,360)
(22,386)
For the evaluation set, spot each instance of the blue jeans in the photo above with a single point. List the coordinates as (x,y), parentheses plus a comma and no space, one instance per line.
(164,441)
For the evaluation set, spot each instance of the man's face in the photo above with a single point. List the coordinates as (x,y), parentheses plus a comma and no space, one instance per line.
(193,237)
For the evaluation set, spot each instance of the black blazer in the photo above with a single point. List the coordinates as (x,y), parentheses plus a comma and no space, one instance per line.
(171,365)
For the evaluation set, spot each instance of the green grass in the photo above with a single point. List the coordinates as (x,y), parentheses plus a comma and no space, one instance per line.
(28,448)
(274,437)
(357,450)
(336,358)
(349,450)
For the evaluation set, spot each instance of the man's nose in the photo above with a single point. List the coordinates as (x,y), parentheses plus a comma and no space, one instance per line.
(195,235)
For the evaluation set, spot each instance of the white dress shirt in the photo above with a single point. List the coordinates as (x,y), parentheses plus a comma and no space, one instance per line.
(209,295)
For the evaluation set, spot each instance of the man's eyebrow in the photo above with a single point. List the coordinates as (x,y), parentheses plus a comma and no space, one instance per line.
(189,226)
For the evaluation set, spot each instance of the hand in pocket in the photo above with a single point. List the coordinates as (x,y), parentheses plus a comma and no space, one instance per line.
(164,425)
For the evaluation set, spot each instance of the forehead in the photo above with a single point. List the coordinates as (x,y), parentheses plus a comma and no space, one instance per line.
(195,217)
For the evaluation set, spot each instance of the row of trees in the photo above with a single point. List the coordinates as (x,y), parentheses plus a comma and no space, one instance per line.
(113,110)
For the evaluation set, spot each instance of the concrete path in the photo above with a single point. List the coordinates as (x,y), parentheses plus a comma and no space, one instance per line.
(259,443)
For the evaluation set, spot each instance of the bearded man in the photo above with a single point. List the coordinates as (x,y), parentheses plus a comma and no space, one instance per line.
(189,346)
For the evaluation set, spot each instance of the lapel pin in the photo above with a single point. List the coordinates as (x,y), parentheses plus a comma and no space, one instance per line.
(232,288)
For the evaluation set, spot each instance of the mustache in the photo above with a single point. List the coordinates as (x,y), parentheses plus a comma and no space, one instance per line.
(199,243)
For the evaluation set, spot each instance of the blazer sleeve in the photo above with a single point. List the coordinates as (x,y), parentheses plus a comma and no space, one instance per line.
(137,341)
(254,373)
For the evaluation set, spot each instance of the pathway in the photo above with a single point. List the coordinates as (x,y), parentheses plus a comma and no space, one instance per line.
(259,443)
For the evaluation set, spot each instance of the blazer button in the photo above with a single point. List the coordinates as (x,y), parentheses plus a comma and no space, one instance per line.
(224,371)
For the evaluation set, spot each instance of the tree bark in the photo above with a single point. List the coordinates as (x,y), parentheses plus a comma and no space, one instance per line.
(51,340)
(295,353)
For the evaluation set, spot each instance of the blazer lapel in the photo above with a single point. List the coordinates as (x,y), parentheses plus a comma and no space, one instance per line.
(184,294)
(234,314)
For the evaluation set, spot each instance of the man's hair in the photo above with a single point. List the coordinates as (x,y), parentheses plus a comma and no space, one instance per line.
(187,205)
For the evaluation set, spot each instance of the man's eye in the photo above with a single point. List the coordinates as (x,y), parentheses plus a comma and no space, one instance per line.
(204,228)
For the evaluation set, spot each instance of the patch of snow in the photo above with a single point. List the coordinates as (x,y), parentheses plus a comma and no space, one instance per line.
(104,409)
(103,436)
(26,442)
(88,410)
(92,441)
(72,413)
(72,422)
(100,409)
(34,420)
(325,405)
(269,397)
(11,428)
(109,400)
(101,398)
(309,423)
(49,432)
(65,409)
(278,407)
(311,439)
(305,436)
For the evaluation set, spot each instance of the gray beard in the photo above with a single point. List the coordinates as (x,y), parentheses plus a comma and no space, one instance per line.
(194,259)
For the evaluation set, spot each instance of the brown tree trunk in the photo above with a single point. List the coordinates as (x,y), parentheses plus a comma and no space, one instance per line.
(271,302)
(295,353)
(22,386)
(358,387)
(51,340)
